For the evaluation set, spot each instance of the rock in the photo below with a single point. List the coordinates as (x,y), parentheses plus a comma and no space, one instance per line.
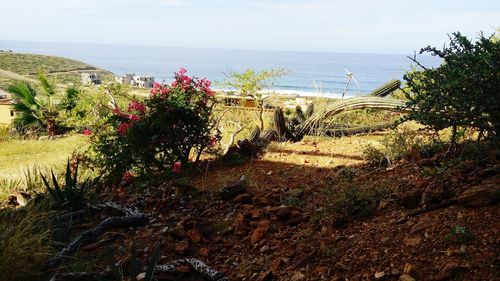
(283,212)
(298,276)
(265,276)
(255,214)
(194,235)
(181,247)
(406,277)
(412,241)
(276,264)
(379,274)
(243,198)
(448,271)
(240,225)
(259,232)
(23,198)
(232,190)
(385,239)
(410,198)
(204,252)
(480,196)
(423,223)
(434,193)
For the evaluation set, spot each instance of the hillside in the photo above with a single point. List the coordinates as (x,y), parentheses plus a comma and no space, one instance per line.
(16,66)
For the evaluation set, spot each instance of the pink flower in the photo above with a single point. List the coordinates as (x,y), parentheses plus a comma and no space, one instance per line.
(182,71)
(133,117)
(122,129)
(213,141)
(176,167)
(137,107)
(87,132)
(127,177)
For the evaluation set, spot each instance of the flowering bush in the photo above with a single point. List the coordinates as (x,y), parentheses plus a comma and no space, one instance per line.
(159,133)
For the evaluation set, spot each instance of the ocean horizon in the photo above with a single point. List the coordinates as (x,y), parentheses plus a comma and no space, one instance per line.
(311,73)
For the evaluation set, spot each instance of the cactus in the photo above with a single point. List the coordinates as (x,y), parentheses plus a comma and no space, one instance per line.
(386,89)
(269,135)
(309,111)
(280,123)
(299,114)
(254,135)
(314,124)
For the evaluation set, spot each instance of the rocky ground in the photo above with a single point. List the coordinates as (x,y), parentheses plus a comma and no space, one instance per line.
(430,224)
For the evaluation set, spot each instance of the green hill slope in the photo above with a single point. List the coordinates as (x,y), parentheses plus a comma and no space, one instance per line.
(27,65)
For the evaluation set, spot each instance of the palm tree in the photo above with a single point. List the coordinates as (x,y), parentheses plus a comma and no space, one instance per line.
(39,111)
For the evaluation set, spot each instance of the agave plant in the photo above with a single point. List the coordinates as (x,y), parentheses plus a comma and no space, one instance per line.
(38,111)
(70,194)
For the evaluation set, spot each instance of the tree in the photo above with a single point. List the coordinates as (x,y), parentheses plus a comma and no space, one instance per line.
(463,92)
(251,83)
(40,111)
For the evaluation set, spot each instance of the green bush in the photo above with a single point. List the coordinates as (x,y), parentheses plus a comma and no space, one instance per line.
(462,92)
(394,146)
(158,134)
(355,201)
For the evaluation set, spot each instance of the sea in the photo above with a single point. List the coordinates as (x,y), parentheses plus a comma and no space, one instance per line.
(310,73)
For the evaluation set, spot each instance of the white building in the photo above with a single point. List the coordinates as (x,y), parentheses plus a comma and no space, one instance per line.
(91,78)
(137,80)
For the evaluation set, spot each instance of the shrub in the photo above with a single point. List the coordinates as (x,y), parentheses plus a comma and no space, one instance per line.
(462,92)
(159,133)
(394,146)
(355,202)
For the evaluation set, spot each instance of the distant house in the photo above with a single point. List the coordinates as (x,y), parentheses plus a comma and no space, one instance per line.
(126,79)
(144,81)
(7,112)
(91,79)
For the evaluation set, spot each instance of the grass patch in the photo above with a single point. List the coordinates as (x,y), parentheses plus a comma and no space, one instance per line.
(25,241)
(20,159)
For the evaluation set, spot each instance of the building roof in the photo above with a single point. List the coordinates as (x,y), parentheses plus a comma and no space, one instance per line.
(6,101)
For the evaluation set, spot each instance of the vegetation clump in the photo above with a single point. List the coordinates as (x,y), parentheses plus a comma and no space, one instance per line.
(463,92)
(158,134)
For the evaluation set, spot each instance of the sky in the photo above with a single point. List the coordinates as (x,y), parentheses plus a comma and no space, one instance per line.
(358,26)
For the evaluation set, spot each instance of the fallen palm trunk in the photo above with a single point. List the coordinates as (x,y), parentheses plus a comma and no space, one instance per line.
(131,219)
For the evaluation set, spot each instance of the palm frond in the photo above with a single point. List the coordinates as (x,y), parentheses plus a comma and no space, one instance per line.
(49,86)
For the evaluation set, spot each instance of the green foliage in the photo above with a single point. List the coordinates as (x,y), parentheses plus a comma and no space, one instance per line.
(394,146)
(355,201)
(135,266)
(462,92)
(158,134)
(460,234)
(91,107)
(37,112)
(251,83)
(72,193)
